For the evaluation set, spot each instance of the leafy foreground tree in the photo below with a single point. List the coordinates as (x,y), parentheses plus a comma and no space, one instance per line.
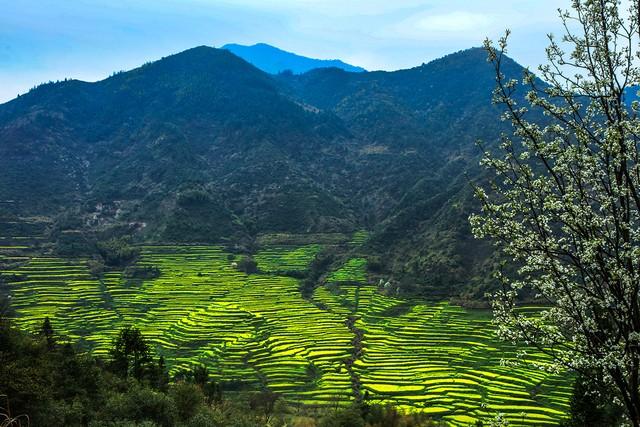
(564,200)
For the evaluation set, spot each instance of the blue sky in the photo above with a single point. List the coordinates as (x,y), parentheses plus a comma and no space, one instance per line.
(42,40)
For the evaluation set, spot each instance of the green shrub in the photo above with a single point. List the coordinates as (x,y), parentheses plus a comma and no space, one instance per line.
(117,252)
(141,404)
(206,418)
(247,265)
(142,272)
(188,399)
(96,267)
(348,417)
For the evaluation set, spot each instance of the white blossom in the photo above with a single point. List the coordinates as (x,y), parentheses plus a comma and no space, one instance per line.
(563,203)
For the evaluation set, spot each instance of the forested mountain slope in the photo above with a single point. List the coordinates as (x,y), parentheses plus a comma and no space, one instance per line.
(202,146)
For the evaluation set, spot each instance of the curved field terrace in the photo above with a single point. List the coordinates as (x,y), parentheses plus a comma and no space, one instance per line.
(348,341)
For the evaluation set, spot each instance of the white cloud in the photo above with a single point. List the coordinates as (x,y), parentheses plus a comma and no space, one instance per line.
(451,22)
(434,26)
(335,8)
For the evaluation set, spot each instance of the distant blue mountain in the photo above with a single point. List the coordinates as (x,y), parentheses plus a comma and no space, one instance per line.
(273,60)
(631,94)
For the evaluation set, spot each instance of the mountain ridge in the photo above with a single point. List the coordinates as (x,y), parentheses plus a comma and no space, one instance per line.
(274,60)
(202,146)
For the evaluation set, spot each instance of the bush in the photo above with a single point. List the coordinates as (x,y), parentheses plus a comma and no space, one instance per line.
(73,244)
(140,404)
(193,197)
(96,267)
(349,417)
(188,399)
(593,404)
(142,272)
(117,252)
(205,418)
(318,267)
(247,265)
(264,402)
(375,264)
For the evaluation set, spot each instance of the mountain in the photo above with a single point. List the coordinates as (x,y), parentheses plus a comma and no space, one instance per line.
(273,60)
(194,120)
(202,146)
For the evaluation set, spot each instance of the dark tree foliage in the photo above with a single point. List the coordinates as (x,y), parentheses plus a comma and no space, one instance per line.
(348,417)
(162,382)
(200,375)
(117,252)
(73,244)
(593,404)
(47,332)
(213,392)
(188,399)
(318,267)
(130,354)
(53,386)
(199,217)
(145,272)
(264,402)
(247,265)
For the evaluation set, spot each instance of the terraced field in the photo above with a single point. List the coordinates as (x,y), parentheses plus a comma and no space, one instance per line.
(464,377)
(286,259)
(351,272)
(257,329)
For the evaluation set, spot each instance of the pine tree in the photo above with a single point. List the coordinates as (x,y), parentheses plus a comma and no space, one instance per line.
(47,332)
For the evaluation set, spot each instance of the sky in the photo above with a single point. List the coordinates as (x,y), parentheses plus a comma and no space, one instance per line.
(43,40)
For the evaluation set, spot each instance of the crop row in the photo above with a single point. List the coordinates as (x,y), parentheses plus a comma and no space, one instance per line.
(445,361)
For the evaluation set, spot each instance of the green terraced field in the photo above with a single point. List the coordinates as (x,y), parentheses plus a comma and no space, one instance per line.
(359,237)
(353,271)
(286,259)
(257,329)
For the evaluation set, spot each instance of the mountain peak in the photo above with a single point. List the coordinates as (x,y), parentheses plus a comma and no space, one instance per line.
(202,56)
(274,60)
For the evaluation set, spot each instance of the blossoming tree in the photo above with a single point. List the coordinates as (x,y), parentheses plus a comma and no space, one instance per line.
(563,201)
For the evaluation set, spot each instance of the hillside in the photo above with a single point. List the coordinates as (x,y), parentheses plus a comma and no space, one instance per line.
(203,147)
(273,60)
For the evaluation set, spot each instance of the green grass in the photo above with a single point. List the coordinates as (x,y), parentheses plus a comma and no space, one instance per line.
(257,329)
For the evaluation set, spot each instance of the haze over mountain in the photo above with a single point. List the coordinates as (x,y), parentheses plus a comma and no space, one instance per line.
(202,146)
(273,60)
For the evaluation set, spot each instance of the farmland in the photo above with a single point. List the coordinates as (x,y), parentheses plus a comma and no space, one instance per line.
(257,330)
